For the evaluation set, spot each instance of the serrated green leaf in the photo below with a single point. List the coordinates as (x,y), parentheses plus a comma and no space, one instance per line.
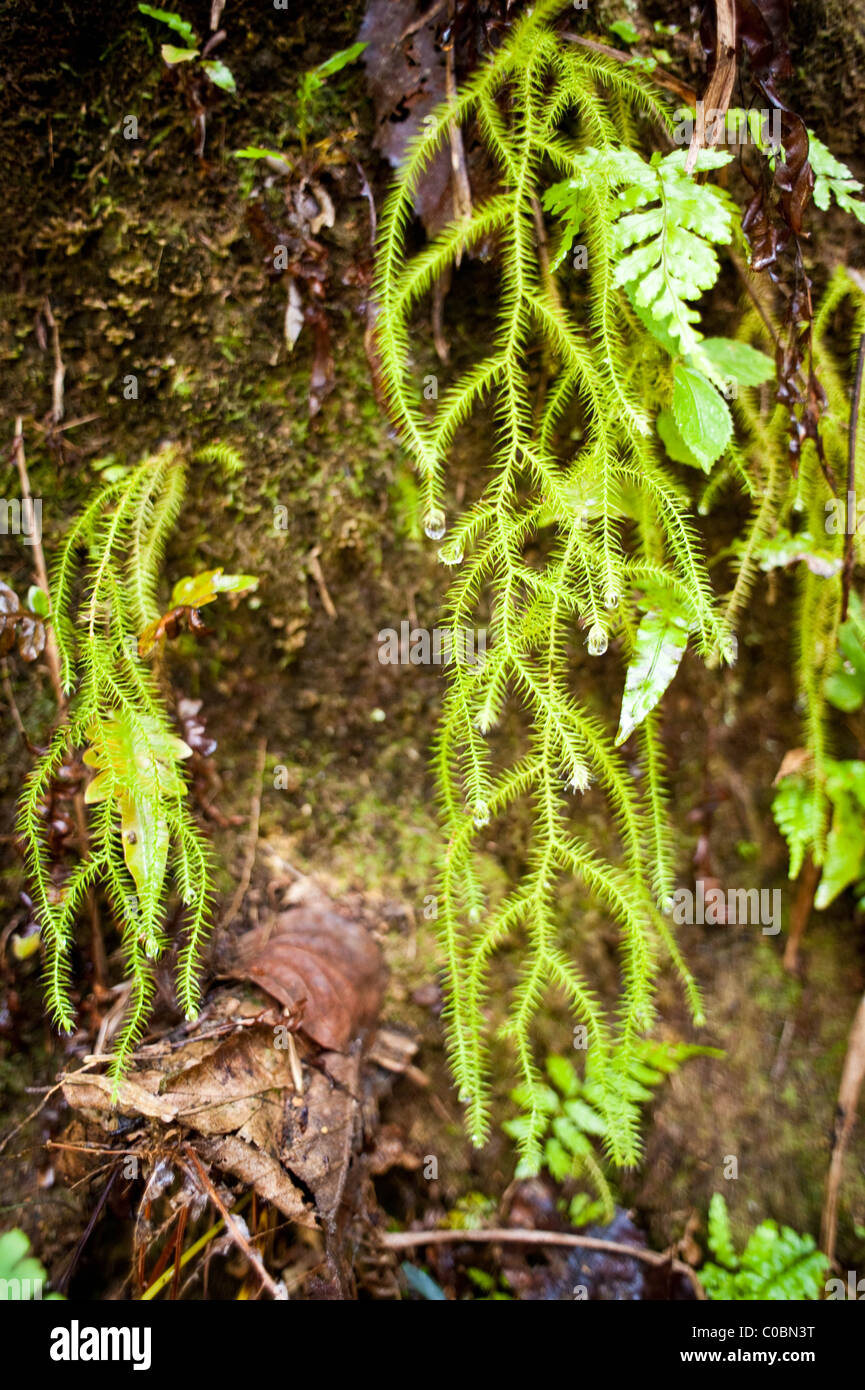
(702,416)
(844,860)
(568,1132)
(793,807)
(675,445)
(831,177)
(738,362)
(664,238)
(659,646)
(173,20)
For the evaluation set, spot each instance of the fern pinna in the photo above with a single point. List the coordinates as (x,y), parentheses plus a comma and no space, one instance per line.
(593,537)
(141,829)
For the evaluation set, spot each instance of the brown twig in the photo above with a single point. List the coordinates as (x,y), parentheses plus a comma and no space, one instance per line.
(14,710)
(852,1078)
(313,564)
(801,911)
(234,1228)
(406,1240)
(59,368)
(720,88)
(544,253)
(462,193)
(422,19)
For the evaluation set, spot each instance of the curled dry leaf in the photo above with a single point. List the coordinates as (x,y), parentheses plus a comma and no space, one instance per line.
(19,627)
(324,967)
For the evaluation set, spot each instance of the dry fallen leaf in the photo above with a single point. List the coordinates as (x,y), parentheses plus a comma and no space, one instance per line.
(794,760)
(323,967)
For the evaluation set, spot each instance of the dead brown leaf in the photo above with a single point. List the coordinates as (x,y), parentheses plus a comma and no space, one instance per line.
(323,967)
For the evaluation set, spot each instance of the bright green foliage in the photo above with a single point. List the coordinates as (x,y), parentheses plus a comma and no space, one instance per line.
(843,853)
(698,427)
(738,362)
(217,71)
(21,1274)
(568,505)
(776,1264)
(833,179)
(141,829)
(663,238)
(702,418)
(575,1120)
(844,687)
(663,229)
(659,645)
(842,857)
(798,524)
(792,809)
(312,82)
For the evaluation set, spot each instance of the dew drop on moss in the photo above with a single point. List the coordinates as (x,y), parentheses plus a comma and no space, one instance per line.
(435,523)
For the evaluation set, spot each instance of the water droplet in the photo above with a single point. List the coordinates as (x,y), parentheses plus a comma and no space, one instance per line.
(481,815)
(611,599)
(435,523)
(452,553)
(597,640)
(474,916)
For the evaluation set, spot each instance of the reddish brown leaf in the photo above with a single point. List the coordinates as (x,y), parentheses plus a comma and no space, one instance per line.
(324,967)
